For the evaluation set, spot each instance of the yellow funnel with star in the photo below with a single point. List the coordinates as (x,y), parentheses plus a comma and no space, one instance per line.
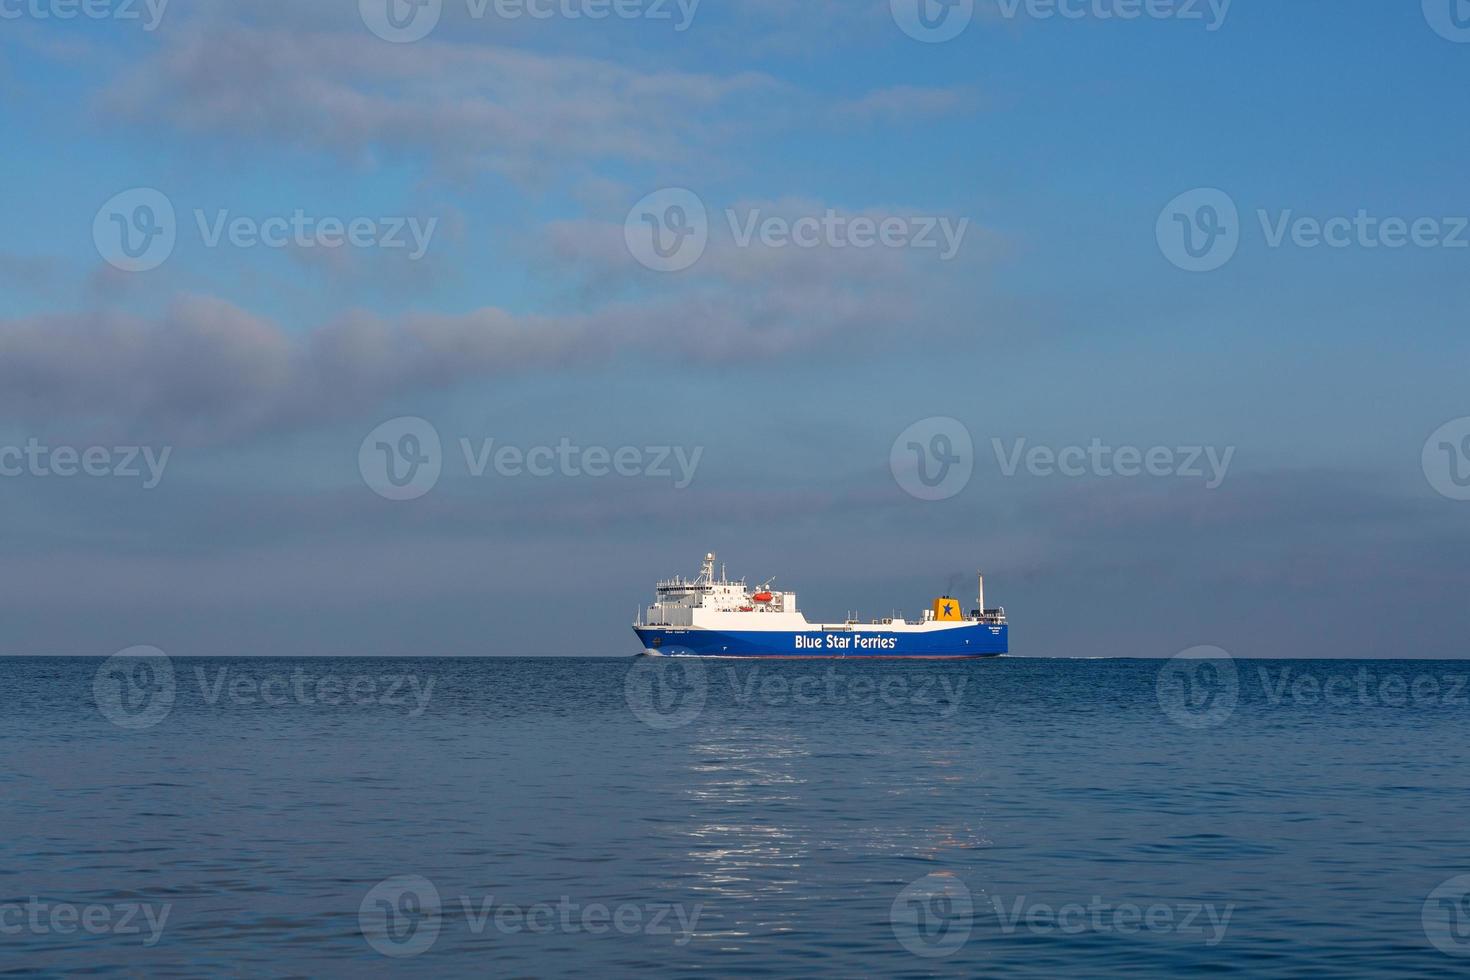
(947,610)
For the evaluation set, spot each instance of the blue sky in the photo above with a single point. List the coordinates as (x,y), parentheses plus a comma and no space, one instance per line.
(1059,319)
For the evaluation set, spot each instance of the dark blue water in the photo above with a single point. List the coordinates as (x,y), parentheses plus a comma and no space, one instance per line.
(556,817)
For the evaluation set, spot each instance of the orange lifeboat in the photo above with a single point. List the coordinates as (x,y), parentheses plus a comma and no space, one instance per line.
(762,597)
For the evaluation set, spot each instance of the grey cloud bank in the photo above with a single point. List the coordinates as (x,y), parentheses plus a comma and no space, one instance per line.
(210,371)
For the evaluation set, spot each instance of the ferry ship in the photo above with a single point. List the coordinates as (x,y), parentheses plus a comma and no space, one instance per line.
(718,617)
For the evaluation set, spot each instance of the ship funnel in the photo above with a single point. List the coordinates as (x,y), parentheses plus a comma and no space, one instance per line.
(980,599)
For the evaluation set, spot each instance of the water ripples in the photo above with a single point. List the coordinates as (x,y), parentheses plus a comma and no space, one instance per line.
(793,827)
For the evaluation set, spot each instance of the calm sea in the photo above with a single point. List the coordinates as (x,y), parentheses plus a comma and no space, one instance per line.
(556,817)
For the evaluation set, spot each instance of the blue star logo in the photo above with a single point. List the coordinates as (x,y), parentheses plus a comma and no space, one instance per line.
(948,609)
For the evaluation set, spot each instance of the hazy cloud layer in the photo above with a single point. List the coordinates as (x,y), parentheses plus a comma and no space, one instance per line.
(468,107)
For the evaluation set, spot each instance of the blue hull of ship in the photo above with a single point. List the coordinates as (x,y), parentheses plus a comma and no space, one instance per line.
(977,640)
